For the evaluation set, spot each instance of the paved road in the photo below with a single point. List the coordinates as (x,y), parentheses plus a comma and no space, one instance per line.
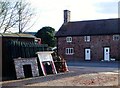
(93,67)
(94,64)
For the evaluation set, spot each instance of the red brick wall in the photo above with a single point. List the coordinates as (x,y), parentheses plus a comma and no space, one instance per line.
(96,44)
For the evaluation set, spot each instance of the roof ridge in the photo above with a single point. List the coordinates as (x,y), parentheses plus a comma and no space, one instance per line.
(94,20)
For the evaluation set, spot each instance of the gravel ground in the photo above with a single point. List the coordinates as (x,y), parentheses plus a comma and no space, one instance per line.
(96,79)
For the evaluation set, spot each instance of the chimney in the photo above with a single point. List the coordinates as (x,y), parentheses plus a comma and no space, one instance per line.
(66,16)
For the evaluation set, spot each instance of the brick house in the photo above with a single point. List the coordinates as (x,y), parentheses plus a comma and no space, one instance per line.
(92,40)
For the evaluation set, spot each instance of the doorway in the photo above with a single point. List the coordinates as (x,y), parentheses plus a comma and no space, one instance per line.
(27,71)
(87,54)
(48,67)
(107,54)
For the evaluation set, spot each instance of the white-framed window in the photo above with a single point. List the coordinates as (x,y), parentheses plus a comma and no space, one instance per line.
(87,38)
(69,51)
(68,39)
(116,37)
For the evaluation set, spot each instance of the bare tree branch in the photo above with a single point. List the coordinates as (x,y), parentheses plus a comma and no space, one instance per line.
(15,15)
(10,18)
(3,12)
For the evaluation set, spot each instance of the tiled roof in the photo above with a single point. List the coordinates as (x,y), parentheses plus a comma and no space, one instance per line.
(91,27)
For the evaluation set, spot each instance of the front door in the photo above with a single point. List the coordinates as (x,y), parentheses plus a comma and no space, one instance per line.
(87,54)
(106,53)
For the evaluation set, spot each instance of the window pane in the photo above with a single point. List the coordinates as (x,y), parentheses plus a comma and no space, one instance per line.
(88,38)
(66,50)
(84,38)
(71,51)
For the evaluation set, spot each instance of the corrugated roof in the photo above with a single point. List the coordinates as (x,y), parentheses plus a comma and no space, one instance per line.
(91,27)
(16,35)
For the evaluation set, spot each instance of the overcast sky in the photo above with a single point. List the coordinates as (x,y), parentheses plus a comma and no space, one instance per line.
(50,12)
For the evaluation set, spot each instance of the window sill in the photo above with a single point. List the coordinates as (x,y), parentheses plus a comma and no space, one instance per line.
(69,54)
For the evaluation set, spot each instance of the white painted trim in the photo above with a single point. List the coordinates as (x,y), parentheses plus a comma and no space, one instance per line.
(41,56)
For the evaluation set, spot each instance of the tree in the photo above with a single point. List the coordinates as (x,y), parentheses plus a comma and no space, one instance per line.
(15,15)
(47,36)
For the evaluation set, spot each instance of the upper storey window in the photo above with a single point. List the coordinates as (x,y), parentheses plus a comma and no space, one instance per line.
(116,37)
(87,38)
(68,39)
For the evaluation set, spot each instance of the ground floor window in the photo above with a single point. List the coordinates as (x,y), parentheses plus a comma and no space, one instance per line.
(69,51)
